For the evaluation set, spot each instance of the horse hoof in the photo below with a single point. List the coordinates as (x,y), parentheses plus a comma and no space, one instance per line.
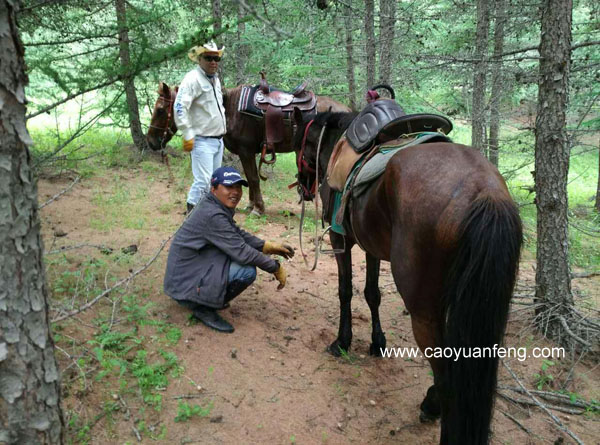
(375,350)
(255,212)
(336,350)
(427,418)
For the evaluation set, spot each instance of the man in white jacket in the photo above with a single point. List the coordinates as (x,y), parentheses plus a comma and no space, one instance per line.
(200,116)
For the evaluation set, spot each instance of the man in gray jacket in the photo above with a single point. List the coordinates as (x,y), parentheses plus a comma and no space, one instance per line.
(212,260)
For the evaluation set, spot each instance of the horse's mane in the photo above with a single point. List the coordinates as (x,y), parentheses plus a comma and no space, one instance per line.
(335,120)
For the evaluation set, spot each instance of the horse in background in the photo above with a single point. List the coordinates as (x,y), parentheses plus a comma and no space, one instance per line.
(245,134)
(442,215)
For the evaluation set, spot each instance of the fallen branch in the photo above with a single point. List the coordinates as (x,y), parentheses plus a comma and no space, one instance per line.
(585,275)
(550,396)
(564,324)
(530,403)
(519,424)
(542,406)
(58,195)
(78,246)
(120,283)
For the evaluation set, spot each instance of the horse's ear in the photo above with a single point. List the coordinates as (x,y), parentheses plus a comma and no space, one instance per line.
(163,89)
(298,117)
(330,108)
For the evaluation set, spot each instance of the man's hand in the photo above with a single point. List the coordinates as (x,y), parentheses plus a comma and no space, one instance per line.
(285,250)
(188,145)
(281,276)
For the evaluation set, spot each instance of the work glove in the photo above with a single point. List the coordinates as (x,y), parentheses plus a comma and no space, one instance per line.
(281,276)
(285,250)
(188,145)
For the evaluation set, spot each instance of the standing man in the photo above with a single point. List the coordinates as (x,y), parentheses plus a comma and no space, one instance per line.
(212,260)
(200,115)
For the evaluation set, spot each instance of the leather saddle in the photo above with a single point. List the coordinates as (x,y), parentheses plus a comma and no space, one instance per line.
(384,120)
(299,97)
(277,106)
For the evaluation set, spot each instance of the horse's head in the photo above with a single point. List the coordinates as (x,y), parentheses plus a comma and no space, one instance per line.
(314,139)
(162,124)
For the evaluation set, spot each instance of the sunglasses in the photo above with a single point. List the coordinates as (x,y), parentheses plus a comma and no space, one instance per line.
(212,58)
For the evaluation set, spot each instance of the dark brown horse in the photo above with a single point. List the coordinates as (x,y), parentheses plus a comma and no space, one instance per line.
(245,134)
(442,216)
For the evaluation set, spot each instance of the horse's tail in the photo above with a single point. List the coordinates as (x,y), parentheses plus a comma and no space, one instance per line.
(478,292)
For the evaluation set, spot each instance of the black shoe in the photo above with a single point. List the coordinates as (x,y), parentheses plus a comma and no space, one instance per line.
(190,207)
(210,318)
(225,306)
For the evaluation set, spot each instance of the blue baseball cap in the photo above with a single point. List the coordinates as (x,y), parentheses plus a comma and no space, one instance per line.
(227,176)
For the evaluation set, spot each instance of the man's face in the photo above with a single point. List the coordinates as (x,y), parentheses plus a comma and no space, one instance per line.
(229,195)
(208,62)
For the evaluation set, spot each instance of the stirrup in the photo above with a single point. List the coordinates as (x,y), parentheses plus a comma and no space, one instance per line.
(331,251)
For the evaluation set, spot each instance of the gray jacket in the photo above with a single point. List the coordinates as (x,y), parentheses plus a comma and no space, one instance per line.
(202,250)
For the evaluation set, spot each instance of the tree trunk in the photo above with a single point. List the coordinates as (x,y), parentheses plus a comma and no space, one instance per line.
(29,378)
(350,55)
(132,102)
(242,49)
(553,278)
(478,133)
(218,18)
(497,82)
(370,41)
(597,206)
(387,14)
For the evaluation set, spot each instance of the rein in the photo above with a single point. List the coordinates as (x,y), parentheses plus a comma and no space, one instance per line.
(314,192)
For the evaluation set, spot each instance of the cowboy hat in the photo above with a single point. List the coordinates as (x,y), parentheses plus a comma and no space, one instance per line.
(209,47)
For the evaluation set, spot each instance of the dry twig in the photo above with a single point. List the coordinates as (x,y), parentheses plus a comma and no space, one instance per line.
(556,420)
(58,195)
(118,284)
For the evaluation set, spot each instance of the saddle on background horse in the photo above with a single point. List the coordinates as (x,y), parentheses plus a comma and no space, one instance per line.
(276,106)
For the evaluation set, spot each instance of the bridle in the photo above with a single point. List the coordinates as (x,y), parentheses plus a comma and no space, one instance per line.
(304,166)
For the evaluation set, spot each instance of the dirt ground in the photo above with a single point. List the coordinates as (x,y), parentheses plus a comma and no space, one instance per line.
(271,381)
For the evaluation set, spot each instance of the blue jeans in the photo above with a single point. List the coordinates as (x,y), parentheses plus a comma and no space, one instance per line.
(207,155)
(240,277)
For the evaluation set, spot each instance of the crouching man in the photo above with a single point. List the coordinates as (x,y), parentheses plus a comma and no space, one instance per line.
(211,260)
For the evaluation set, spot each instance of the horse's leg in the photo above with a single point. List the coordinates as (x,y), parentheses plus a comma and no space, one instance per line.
(256,204)
(418,289)
(427,335)
(373,297)
(344,263)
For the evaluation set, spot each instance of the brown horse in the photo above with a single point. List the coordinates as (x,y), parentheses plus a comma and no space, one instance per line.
(245,134)
(442,216)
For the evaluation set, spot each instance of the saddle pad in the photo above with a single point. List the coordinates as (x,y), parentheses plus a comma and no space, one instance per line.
(342,161)
(376,165)
(246,103)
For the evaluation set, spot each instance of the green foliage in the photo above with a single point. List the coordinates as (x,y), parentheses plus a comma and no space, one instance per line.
(544,378)
(185,411)
(253,223)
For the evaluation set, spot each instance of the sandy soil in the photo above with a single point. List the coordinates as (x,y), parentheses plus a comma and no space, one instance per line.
(271,381)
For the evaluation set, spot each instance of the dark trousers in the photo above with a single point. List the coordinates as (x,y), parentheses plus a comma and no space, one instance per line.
(240,277)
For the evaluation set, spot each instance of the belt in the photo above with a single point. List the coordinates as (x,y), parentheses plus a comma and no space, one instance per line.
(213,137)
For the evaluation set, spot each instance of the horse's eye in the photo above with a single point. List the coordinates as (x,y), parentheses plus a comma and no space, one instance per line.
(160,111)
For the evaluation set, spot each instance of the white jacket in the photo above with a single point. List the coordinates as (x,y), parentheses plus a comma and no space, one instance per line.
(199,109)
